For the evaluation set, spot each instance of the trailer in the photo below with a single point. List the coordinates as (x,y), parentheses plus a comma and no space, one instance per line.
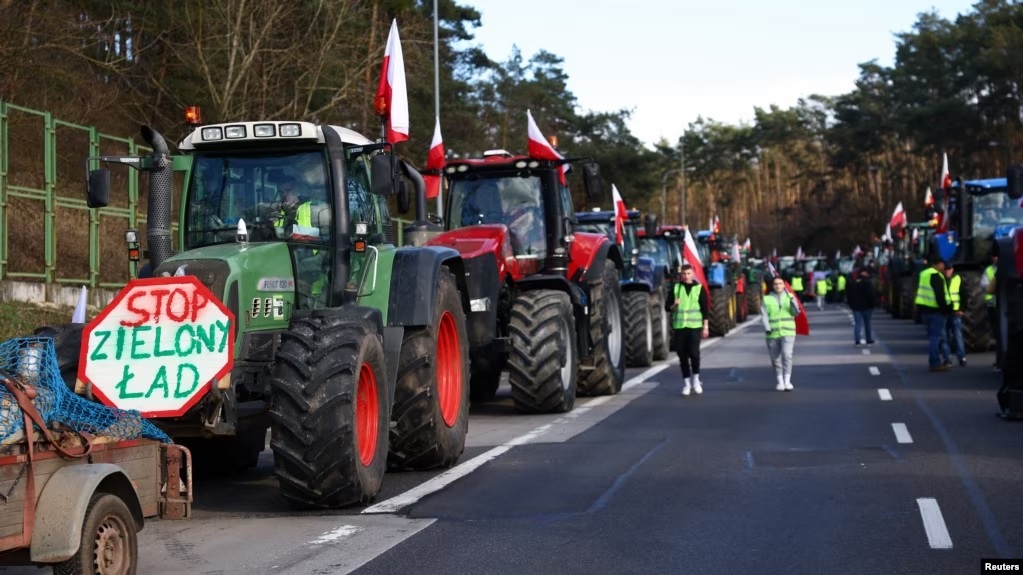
(78,479)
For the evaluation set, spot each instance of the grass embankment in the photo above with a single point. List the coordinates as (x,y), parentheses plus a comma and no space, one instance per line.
(20,318)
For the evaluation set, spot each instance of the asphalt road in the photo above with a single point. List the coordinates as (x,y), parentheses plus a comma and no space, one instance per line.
(871,465)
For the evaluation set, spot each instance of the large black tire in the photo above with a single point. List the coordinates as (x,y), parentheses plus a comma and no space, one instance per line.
(542,364)
(754,299)
(431,401)
(1010,320)
(719,303)
(109,535)
(67,343)
(606,370)
(639,329)
(330,409)
(662,326)
(977,336)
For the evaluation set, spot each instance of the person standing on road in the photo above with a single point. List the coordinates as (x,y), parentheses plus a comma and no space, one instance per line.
(932,301)
(954,324)
(990,287)
(778,313)
(690,322)
(822,292)
(862,300)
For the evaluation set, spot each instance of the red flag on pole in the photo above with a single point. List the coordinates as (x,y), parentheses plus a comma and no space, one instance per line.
(434,163)
(946,185)
(898,217)
(692,257)
(802,323)
(540,148)
(392,95)
(621,214)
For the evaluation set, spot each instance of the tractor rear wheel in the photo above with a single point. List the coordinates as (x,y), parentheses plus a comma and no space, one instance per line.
(606,335)
(719,301)
(662,329)
(542,363)
(330,409)
(639,329)
(976,326)
(754,299)
(431,400)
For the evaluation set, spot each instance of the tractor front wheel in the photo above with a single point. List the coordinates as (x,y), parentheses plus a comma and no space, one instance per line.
(542,364)
(330,409)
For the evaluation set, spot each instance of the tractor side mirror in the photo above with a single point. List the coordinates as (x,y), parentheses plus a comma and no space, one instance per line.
(592,182)
(650,225)
(382,175)
(1014,181)
(403,197)
(98,192)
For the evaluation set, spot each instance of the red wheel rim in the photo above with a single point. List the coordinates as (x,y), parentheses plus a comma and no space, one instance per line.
(367,414)
(449,369)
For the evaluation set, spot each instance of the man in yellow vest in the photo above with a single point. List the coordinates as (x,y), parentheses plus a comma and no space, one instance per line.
(778,314)
(797,284)
(954,323)
(690,321)
(990,287)
(822,292)
(294,211)
(840,294)
(932,301)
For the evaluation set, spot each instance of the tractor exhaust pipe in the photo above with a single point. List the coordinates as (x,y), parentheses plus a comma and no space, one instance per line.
(158,214)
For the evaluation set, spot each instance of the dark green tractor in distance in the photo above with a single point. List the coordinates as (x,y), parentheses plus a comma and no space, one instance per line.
(353,352)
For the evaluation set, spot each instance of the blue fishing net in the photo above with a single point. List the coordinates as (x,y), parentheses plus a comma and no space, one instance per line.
(33,361)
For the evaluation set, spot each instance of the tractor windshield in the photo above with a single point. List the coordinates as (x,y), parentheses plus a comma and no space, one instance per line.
(280,196)
(655,249)
(994,216)
(516,202)
(607,227)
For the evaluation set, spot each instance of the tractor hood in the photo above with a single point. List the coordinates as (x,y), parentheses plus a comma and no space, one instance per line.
(476,240)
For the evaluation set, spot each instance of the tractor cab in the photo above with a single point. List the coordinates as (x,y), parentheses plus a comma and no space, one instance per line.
(527,196)
(979,213)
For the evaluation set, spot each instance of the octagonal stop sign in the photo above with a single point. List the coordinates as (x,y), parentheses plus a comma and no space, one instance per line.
(158,346)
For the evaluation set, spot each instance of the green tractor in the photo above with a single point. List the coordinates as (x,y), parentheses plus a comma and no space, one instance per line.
(351,351)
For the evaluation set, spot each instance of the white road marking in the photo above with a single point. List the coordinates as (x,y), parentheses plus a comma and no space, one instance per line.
(459,471)
(874,370)
(866,351)
(902,433)
(641,378)
(885,394)
(337,534)
(934,524)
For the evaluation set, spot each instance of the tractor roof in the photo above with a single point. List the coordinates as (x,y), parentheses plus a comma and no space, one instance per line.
(212,136)
(496,160)
(595,216)
(988,185)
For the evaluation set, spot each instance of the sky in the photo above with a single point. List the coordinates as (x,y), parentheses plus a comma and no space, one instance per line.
(672,61)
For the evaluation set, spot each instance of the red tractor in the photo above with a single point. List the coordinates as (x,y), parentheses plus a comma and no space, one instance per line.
(545,299)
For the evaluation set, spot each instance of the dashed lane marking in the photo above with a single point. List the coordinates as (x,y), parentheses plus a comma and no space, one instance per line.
(934,523)
(874,370)
(885,394)
(902,433)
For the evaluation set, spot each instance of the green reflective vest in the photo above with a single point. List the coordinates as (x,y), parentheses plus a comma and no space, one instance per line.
(953,292)
(989,298)
(779,315)
(841,283)
(797,283)
(822,287)
(925,295)
(687,312)
(303,216)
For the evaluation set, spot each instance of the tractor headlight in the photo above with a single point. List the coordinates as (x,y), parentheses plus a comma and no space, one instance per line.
(209,134)
(234,132)
(264,130)
(291,130)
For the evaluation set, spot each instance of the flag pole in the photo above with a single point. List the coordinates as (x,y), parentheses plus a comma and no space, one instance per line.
(436,98)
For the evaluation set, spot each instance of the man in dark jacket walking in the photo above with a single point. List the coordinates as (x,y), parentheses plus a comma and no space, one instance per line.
(862,301)
(932,300)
